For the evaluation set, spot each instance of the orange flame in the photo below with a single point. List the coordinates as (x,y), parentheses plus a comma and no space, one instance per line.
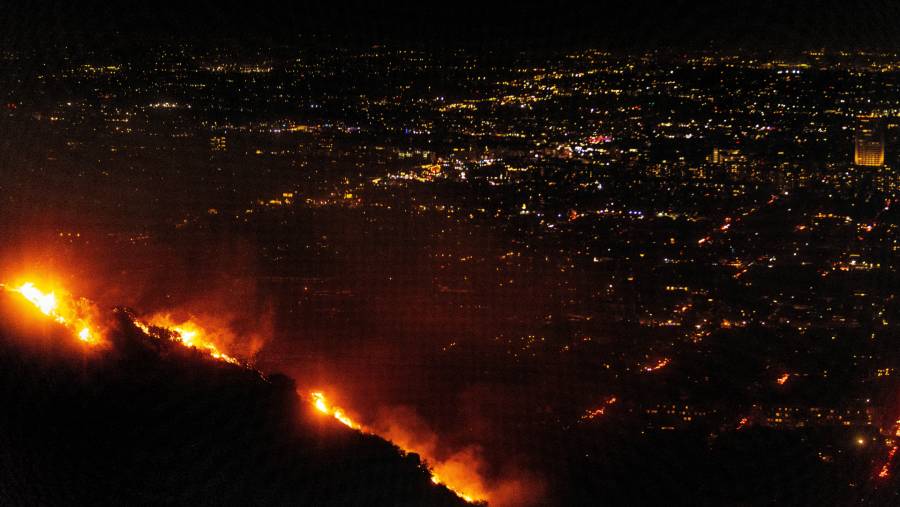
(188,333)
(442,473)
(72,313)
(885,471)
(435,478)
(591,414)
(662,363)
(65,309)
(886,468)
(322,405)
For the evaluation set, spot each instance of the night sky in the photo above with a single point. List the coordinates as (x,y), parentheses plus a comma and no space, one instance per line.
(632,25)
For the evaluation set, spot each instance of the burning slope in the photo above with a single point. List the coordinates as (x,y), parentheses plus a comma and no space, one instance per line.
(321,403)
(885,471)
(74,314)
(188,333)
(452,473)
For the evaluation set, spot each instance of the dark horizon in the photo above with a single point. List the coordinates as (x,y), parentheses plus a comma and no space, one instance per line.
(623,26)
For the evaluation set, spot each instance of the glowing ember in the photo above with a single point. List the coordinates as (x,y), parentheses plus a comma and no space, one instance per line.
(64,310)
(592,414)
(662,363)
(783,379)
(885,471)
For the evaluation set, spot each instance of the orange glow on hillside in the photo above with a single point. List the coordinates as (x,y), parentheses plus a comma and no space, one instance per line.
(323,406)
(46,303)
(463,481)
(885,470)
(79,316)
(594,413)
(64,309)
(435,478)
(662,363)
(188,333)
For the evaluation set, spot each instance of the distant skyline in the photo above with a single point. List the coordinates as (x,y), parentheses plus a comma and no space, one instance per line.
(633,25)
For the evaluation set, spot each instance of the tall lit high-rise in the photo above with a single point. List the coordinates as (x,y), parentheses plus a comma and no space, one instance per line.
(869,142)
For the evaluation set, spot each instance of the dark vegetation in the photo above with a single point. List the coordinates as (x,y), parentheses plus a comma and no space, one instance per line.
(148,422)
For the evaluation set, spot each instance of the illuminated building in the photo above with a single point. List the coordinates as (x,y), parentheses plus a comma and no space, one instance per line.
(732,160)
(218,143)
(869,143)
(725,156)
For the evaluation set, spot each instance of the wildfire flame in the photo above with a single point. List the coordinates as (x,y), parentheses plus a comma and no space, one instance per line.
(72,313)
(322,405)
(591,414)
(885,471)
(64,310)
(46,303)
(435,478)
(188,333)
(662,363)
(320,402)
